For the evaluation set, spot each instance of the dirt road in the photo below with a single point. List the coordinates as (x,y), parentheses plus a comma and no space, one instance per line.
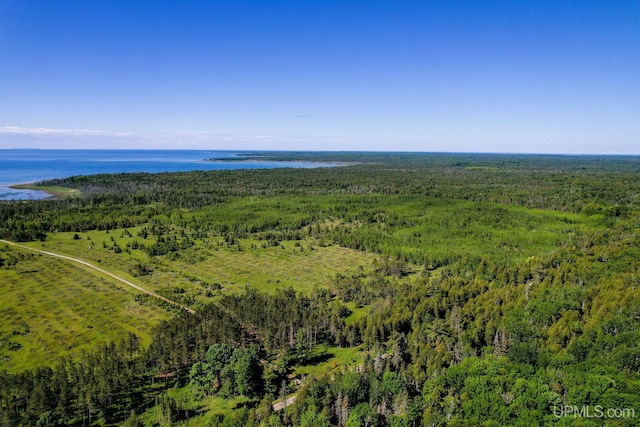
(101,270)
(287,402)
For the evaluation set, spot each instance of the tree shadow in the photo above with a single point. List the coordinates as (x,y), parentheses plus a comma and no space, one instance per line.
(317,359)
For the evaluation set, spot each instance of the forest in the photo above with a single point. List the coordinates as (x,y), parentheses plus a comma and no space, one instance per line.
(397,289)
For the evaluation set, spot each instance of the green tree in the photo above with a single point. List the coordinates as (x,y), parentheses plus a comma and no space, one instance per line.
(361,416)
(201,377)
(313,418)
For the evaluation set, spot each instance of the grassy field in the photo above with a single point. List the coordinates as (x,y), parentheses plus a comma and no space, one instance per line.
(55,191)
(51,308)
(330,359)
(210,410)
(431,229)
(357,313)
(266,269)
(301,265)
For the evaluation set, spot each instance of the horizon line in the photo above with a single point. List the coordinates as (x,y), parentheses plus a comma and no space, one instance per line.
(346,151)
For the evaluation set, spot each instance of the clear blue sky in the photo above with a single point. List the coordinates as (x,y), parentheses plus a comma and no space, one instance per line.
(488,76)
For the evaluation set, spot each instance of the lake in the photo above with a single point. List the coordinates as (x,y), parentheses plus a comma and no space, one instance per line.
(26,166)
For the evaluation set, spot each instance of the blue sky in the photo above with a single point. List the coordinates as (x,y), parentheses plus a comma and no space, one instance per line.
(476,76)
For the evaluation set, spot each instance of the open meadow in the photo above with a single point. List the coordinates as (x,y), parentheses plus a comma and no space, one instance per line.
(51,308)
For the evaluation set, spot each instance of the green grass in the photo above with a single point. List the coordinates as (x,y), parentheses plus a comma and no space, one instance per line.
(199,410)
(420,229)
(89,247)
(267,269)
(330,359)
(67,308)
(58,192)
(51,308)
(357,313)
(302,267)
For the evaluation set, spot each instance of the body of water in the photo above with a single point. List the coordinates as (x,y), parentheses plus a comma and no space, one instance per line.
(26,166)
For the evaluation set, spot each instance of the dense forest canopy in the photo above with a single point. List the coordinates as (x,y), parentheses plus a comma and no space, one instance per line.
(489,290)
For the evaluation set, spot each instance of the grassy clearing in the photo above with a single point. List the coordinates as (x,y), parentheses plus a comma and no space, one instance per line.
(97,247)
(58,192)
(51,308)
(357,313)
(423,229)
(302,267)
(330,359)
(197,409)
(479,229)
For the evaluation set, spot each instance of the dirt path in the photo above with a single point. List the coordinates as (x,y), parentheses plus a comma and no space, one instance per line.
(101,270)
(287,402)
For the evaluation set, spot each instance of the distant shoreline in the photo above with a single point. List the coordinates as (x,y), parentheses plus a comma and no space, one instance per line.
(23,173)
(53,192)
(265,159)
